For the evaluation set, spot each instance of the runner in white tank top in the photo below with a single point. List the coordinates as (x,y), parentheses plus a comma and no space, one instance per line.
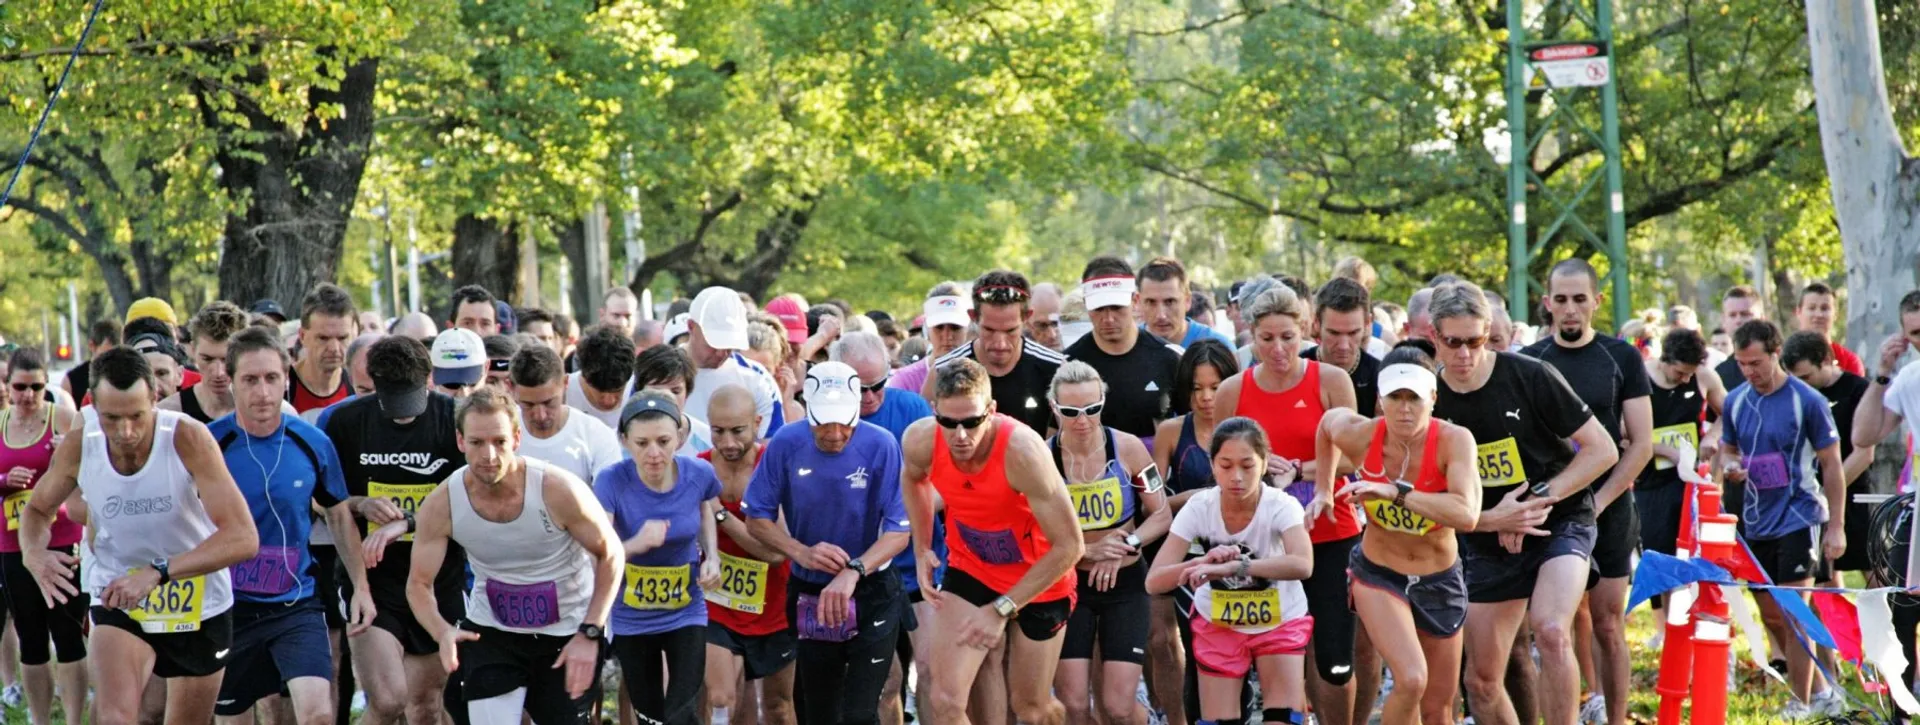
(165,522)
(545,562)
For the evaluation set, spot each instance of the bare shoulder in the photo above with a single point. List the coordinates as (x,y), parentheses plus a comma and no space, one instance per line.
(916,444)
(171,402)
(1132,451)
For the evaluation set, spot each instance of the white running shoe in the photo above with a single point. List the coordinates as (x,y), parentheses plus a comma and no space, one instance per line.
(1827,703)
(1796,711)
(11,696)
(1594,710)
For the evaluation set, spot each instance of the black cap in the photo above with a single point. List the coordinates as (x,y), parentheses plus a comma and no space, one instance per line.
(401,400)
(270,308)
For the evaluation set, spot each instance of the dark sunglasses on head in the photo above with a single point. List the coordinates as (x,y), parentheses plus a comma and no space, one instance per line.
(1468,342)
(1067,411)
(24,387)
(967,423)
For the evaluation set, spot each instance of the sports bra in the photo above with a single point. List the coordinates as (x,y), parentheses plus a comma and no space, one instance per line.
(1108,500)
(1386,514)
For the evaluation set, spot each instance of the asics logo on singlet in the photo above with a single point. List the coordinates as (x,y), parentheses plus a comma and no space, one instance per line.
(422,463)
(136,506)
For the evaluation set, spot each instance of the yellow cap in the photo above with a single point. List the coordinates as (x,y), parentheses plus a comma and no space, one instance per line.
(153,307)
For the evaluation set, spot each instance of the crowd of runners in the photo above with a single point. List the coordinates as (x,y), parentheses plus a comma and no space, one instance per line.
(1118,504)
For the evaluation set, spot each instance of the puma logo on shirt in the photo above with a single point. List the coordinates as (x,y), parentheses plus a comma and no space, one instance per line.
(1514,414)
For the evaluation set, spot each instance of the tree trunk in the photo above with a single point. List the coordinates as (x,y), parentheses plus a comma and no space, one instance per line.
(1875,184)
(572,235)
(487,253)
(299,184)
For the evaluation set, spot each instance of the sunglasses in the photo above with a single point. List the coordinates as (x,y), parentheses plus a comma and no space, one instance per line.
(1067,411)
(1467,342)
(967,423)
(455,386)
(24,387)
(878,387)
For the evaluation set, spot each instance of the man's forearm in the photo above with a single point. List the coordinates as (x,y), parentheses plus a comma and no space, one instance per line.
(346,537)
(223,549)
(884,549)
(1047,570)
(771,534)
(606,575)
(426,608)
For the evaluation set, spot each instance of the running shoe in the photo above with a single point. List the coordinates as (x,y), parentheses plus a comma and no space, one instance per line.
(1593,709)
(1796,711)
(11,696)
(1827,703)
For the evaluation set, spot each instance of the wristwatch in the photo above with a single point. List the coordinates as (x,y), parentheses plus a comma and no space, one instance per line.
(858,567)
(1882,380)
(1132,540)
(1400,498)
(412,525)
(1005,607)
(720,516)
(161,565)
(593,631)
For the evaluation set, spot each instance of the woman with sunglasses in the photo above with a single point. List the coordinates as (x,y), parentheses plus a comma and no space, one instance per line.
(1118,500)
(1250,612)
(1287,396)
(1418,484)
(1180,450)
(32,428)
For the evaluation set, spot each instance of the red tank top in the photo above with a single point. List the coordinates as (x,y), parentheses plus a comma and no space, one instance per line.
(1430,480)
(745,585)
(991,532)
(304,400)
(38,456)
(1290,418)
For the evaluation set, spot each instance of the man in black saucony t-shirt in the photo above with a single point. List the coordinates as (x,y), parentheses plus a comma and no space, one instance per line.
(1527,558)
(1021,369)
(1342,324)
(395,446)
(1137,366)
(1611,378)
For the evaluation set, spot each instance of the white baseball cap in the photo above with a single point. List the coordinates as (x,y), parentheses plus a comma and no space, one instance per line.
(832,394)
(676,327)
(459,358)
(947,310)
(1113,291)
(722,318)
(1402,376)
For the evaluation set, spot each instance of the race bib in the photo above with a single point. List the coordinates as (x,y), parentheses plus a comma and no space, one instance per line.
(743,585)
(405,495)
(1673,436)
(807,608)
(269,572)
(524,606)
(1260,608)
(1768,471)
(1500,464)
(1097,503)
(657,587)
(1401,519)
(992,547)
(16,503)
(172,607)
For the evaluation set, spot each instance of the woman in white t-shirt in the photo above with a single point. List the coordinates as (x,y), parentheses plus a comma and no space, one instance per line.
(1249,611)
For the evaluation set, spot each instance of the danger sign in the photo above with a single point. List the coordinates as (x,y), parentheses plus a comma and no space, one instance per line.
(1569,65)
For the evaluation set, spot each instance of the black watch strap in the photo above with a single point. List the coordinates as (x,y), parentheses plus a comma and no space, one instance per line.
(1883,381)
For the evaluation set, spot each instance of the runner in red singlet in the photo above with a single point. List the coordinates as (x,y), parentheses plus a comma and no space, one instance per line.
(1288,396)
(1418,485)
(747,626)
(1012,538)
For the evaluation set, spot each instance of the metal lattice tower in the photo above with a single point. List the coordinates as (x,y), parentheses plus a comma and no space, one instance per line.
(1555,63)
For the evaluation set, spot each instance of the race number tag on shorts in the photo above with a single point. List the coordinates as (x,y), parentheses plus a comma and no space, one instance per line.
(743,585)
(1393,517)
(172,607)
(1672,436)
(1096,503)
(1768,471)
(16,503)
(524,606)
(1302,491)
(992,547)
(1246,609)
(1500,464)
(268,572)
(657,587)
(405,495)
(807,609)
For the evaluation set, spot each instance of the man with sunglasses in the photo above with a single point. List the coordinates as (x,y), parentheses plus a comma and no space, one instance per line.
(1013,538)
(1020,368)
(1137,365)
(1526,562)
(1610,376)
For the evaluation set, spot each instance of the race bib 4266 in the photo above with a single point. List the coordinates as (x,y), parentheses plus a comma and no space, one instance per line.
(1257,608)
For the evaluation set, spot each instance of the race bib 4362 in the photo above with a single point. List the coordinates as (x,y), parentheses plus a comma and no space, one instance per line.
(175,606)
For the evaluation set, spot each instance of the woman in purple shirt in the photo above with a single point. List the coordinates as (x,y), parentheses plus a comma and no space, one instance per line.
(662,506)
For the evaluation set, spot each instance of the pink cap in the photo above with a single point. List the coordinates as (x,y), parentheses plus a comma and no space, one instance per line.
(791,316)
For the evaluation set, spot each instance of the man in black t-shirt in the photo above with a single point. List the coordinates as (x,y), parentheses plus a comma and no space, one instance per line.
(1526,560)
(1137,366)
(1342,323)
(1611,378)
(1809,357)
(1021,369)
(395,446)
